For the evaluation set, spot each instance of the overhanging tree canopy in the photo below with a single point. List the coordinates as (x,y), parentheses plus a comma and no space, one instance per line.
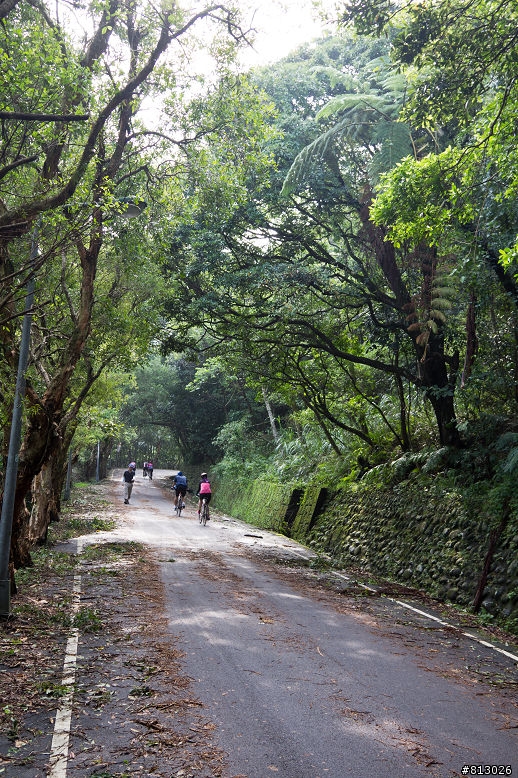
(79,175)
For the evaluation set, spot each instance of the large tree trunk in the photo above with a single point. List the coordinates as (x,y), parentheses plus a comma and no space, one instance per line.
(444,409)
(46,493)
(440,389)
(432,363)
(43,435)
(43,442)
(44,508)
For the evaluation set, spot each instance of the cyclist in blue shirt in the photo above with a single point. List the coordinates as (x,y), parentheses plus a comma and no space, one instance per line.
(179,486)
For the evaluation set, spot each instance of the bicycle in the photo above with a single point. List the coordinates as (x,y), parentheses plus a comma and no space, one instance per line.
(179,504)
(204,513)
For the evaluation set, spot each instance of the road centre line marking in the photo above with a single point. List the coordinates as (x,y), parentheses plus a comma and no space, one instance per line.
(61,737)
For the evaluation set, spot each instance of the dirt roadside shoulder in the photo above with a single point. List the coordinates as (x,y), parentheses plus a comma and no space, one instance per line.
(133,712)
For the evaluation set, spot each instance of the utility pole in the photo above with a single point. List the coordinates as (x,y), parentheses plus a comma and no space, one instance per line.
(11,471)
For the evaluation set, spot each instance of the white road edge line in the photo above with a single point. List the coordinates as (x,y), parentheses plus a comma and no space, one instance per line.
(469,635)
(61,737)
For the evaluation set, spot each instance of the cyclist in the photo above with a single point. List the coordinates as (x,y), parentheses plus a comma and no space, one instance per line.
(180,487)
(204,492)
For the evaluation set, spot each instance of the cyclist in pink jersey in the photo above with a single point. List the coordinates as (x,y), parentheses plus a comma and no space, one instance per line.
(204,491)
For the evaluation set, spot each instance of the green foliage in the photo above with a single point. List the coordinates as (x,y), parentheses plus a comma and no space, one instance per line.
(79,151)
(56,691)
(339,307)
(242,448)
(180,409)
(351,313)
(416,197)
(509,257)
(87,620)
(12,722)
(418,521)
(45,559)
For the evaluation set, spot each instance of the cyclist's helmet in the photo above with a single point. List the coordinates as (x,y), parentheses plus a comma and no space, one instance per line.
(179,472)
(132,465)
(204,475)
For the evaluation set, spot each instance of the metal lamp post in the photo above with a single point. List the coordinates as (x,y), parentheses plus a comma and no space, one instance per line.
(11,471)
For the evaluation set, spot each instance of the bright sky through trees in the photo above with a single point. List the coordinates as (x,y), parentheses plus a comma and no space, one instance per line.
(282,26)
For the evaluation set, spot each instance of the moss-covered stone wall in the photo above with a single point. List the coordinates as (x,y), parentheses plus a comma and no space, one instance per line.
(427,538)
(422,533)
(263,503)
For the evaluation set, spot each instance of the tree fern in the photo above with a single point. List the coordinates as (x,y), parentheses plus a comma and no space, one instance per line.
(342,103)
(347,80)
(394,142)
(317,153)
(367,118)
(428,311)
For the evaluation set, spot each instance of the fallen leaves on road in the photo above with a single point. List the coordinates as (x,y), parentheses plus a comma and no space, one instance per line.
(133,713)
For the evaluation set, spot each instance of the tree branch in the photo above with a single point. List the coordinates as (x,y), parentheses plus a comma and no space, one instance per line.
(44,117)
(6,6)
(19,162)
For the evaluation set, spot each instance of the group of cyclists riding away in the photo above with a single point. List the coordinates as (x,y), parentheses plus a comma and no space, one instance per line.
(180,488)
(203,493)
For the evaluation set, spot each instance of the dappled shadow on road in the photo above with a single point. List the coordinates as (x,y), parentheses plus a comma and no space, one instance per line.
(253,629)
(444,649)
(136,710)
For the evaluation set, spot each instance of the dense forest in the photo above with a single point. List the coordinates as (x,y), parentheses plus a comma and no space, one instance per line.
(307,268)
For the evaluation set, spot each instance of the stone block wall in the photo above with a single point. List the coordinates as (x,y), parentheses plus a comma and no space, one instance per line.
(420,533)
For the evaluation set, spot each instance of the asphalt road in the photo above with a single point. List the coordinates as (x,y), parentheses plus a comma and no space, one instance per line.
(304,682)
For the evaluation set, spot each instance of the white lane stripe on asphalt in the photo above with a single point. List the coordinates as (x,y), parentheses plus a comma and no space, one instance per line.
(61,737)
(469,635)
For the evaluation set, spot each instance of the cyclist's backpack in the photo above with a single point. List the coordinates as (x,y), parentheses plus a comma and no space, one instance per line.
(205,487)
(181,480)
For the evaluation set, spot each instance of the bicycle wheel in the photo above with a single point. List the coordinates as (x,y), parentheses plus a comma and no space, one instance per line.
(204,512)
(179,505)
